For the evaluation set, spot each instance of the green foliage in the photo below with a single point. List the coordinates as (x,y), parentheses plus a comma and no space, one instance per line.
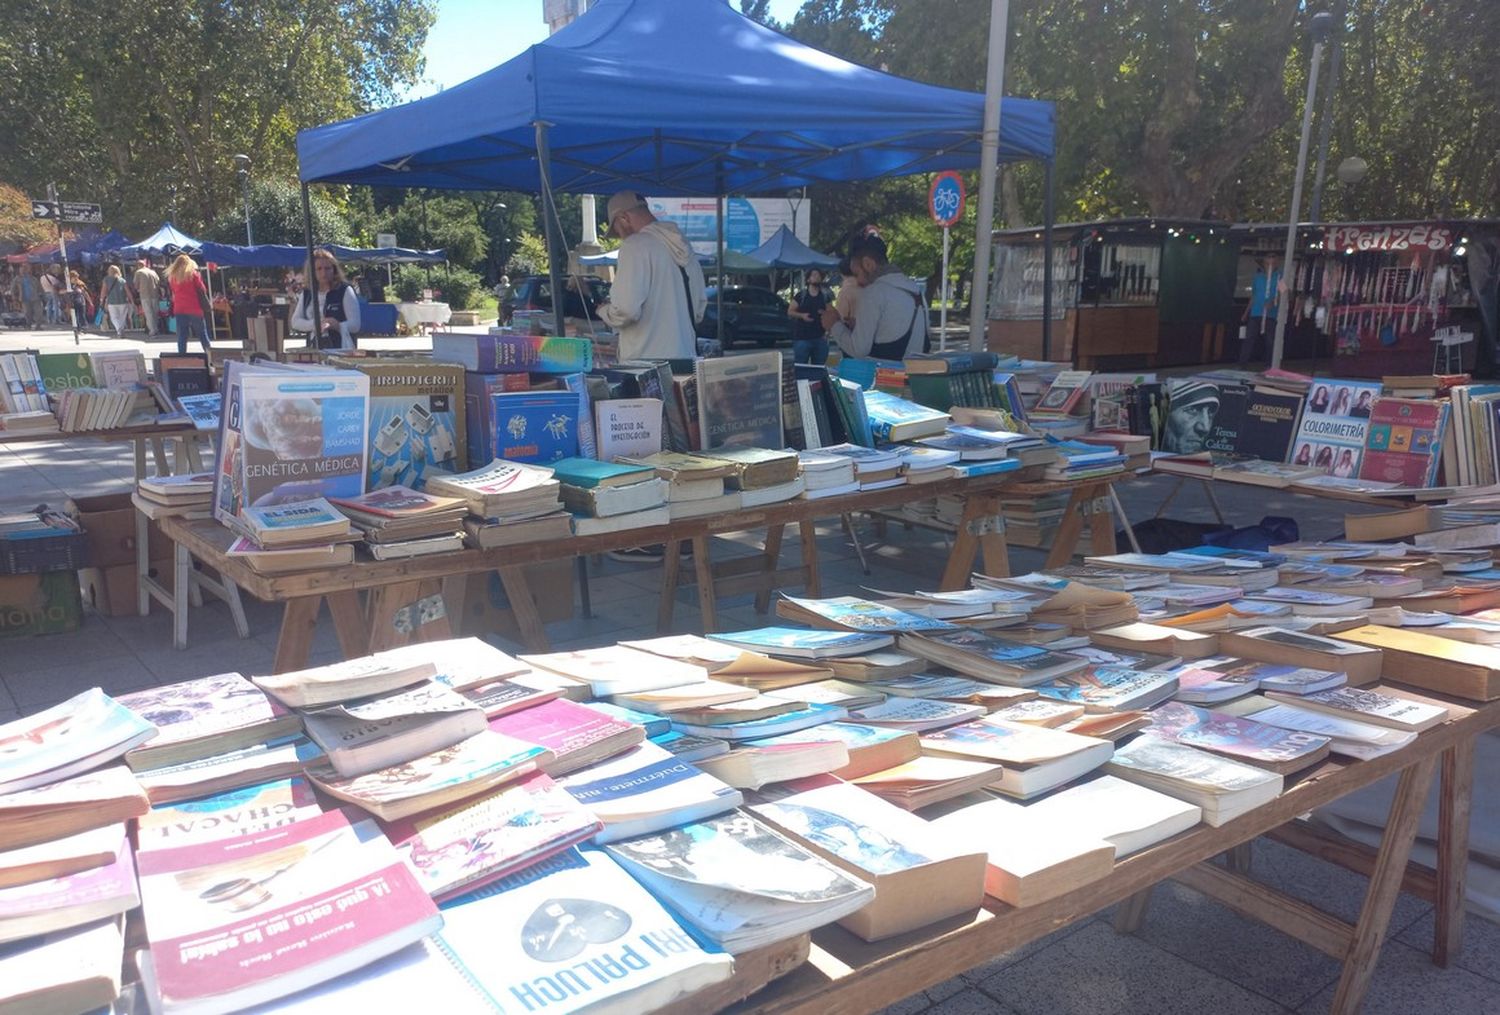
(530,257)
(444,219)
(119,104)
(458,287)
(409,281)
(276,217)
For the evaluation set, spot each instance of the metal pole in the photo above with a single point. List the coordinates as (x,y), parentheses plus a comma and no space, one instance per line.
(1049,212)
(1325,127)
(943,295)
(312,274)
(989,163)
(719,255)
(245,190)
(1288,269)
(549,212)
(62,252)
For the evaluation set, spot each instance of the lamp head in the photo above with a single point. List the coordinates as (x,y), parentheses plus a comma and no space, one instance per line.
(1320,27)
(1352,170)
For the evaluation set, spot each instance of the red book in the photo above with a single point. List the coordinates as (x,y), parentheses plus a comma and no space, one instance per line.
(1405,441)
(577,736)
(238,922)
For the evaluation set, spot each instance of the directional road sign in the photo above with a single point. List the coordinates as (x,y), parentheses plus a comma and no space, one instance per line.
(82,211)
(45,210)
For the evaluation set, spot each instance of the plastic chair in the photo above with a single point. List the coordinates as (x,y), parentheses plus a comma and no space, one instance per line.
(1448,343)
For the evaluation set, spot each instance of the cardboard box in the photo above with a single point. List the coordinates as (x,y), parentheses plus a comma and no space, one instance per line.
(109,522)
(111,591)
(478,604)
(39,603)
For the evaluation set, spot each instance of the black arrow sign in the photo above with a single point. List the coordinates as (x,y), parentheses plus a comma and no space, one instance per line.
(44,210)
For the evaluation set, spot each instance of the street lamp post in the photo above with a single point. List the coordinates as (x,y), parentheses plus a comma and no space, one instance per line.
(1319,27)
(242,167)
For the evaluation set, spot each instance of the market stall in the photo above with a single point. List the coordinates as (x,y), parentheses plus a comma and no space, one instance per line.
(1372,296)
(1126,294)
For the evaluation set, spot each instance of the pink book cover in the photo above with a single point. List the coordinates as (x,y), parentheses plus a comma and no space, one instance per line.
(115,880)
(296,905)
(561,726)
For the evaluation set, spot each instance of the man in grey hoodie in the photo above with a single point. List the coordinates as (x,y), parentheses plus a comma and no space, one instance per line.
(657,298)
(891,322)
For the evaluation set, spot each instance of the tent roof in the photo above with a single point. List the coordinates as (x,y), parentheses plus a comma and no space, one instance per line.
(670,97)
(387,255)
(166,240)
(784,250)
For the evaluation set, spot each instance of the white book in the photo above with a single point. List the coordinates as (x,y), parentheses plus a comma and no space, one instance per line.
(1029,860)
(1370,705)
(1222,787)
(1350,738)
(1127,815)
(65,971)
(832,491)
(649,518)
(761,496)
(917,714)
(628,427)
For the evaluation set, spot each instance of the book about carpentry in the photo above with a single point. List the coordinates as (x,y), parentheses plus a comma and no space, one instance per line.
(42,907)
(919,876)
(739,401)
(79,734)
(701,869)
(647,789)
(525,937)
(416,422)
(1223,787)
(457,849)
(288,434)
(238,922)
(1405,442)
(209,715)
(246,811)
(1239,737)
(517,354)
(1335,421)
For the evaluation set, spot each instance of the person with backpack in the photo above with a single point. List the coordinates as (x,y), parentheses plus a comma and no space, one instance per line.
(891,321)
(114,296)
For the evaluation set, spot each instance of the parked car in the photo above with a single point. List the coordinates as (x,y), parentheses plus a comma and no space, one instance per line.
(751,314)
(534,292)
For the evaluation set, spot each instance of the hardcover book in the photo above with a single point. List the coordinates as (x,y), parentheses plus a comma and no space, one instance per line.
(519,354)
(535,426)
(239,922)
(289,434)
(739,401)
(416,419)
(1405,441)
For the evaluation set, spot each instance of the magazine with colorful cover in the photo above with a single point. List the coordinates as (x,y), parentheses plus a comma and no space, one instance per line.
(223,711)
(459,848)
(530,934)
(238,922)
(75,736)
(288,434)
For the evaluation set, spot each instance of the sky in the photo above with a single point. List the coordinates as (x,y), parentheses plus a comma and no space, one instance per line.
(471,36)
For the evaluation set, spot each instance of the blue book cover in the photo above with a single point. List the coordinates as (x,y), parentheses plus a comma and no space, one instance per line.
(655,725)
(782,639)
(989,468)
(854,614)
(759,729)
(887,411)
(535,426)
(588,473)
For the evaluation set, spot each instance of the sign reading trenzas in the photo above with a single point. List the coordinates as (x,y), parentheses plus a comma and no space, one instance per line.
(1413,237)
(945,199)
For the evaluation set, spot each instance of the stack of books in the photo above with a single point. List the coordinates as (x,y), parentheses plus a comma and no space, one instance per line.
(826,475)
(874,469)
(190,495)
(689,477)
(294,536)
(509,503)
(760,476)
(397,521)
(612,496)
(30,421)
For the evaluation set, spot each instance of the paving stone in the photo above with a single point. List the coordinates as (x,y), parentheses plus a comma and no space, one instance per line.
(1407,983)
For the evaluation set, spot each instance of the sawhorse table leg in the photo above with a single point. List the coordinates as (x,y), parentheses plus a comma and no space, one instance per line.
(1091,501)
(1456,791)
(523,605)
(980,530)
(409,611)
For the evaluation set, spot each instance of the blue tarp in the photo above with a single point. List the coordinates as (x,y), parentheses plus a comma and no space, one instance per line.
(166,240)
(671,97)
(262,255)
(784,250)
(387,255)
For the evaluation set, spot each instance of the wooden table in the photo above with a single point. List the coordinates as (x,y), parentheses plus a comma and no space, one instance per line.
(140,436)
(404,596)
(845,974)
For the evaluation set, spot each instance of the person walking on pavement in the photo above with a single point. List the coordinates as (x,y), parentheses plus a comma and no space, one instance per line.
(115,297)
(191,309)
(28,293)
(657,299)
(49,296)
(147,285)
(809,338)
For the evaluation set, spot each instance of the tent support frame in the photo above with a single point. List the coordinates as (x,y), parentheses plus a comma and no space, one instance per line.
(312,274)
(549,213)
(1048,214)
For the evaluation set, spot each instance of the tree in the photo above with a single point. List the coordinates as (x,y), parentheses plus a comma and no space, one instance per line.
(276,217)
(441,219)
(16,224)
(120,105)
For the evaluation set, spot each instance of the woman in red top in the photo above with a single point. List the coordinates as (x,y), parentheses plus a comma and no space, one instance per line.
(190,306)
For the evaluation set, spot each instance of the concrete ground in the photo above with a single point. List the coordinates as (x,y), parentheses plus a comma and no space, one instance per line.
(1190,956)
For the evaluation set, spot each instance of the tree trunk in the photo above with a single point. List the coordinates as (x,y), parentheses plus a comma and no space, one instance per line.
(1011,214)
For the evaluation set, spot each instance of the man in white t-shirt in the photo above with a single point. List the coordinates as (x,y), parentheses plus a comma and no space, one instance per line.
(657,298)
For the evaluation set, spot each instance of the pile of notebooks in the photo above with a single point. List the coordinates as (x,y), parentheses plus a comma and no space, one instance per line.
(397,521)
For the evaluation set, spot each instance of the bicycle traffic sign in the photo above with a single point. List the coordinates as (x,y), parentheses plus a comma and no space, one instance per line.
(945,199)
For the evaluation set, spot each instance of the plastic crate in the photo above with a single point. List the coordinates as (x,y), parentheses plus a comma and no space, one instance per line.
(66,551)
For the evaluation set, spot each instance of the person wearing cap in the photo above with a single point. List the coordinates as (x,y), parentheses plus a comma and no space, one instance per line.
(1192,405)
(891,322)
(147,286)
(657,298)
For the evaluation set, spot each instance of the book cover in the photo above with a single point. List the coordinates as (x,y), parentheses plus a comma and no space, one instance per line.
(1229,420)
(1106,689)
(366,735)
(203,410)
(576,927)
(645,789)
(853,614)
(81,733)
(588,474)
(896,419)
(63,371)
(614,669)
(1007,743)
(289,434)
(416,419)
(535,426)
(802,642)
(245,811)
(1168,761)
(1237,736)
(566,728)
(492,354)
(207,708)
(291,516)
(1405,441)
(458,848)
(1268,425)
(628,428)
(1335,421)
(397,503)
(120,368)
(479,410)
(58,903)
(242,921)
(739,401)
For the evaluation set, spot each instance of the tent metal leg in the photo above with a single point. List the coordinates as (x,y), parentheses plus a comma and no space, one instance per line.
(550,225)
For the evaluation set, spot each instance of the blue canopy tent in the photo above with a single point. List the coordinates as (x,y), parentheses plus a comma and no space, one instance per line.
(784,250)
(669,97)
(387,255)
(95,249)
(262,255)
(167,240)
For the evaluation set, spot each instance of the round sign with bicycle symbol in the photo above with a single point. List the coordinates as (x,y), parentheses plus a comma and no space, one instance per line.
(945,200)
